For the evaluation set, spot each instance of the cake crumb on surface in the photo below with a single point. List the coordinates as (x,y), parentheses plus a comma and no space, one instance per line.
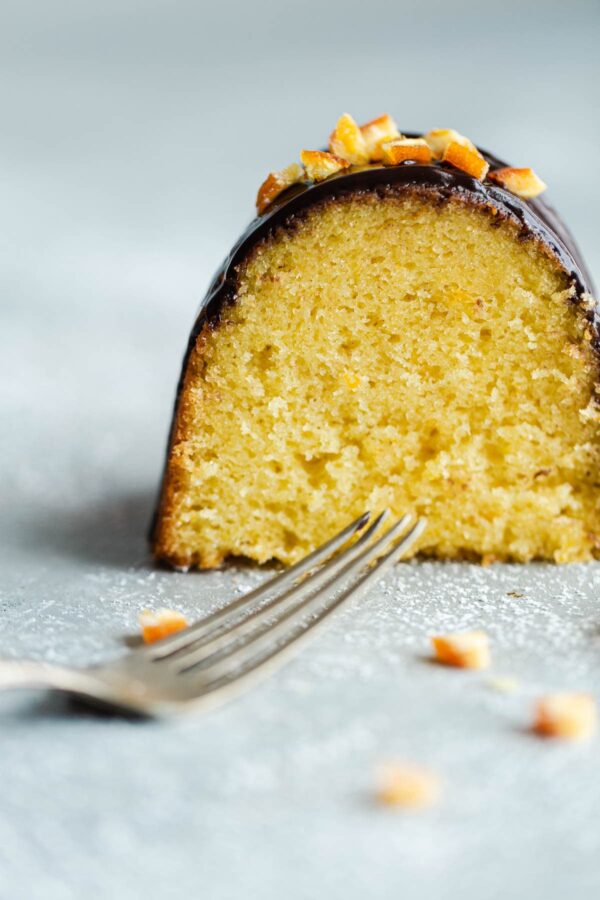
(504,684)
(160,623)
(465,650)
(407,785)
(571,716)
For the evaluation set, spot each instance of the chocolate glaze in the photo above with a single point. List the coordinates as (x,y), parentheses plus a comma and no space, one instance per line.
(536,219)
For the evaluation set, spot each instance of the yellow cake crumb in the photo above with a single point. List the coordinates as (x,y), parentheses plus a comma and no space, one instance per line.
(573,716)
(160,623)
(352,380)
(466,650)
(407,785)
(489,559)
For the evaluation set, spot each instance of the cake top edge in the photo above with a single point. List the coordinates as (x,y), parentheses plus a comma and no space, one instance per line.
(378,144)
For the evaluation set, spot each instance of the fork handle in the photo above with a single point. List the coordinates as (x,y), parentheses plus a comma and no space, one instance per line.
(28,673)
(81,683)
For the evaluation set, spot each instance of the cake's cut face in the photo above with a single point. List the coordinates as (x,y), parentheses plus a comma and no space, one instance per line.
(392,348)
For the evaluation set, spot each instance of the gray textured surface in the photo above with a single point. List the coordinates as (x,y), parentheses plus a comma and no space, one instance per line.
(131,146)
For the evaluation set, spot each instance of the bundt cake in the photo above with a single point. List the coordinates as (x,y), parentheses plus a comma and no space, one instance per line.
(408,325)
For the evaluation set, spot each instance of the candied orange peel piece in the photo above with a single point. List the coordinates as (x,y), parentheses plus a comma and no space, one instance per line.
(160,623)
(320,165)
(522,182)
(571,716)
(377,132)
(465,650)
(407,785)
(275,183)
(347,142)
(439,138)
(466,158)
(395,152)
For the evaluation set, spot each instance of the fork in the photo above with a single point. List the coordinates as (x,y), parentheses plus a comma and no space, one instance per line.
(224,653)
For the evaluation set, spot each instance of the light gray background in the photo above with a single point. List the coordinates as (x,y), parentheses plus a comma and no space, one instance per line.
(133,137)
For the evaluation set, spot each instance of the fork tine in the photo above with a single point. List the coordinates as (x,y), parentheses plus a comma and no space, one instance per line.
(208,646)
(209,623)
(297,613)
(228,683)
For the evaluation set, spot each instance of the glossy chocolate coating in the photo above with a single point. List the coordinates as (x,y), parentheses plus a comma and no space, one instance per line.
(535,220)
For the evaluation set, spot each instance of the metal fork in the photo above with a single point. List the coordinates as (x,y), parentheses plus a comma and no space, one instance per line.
(221,655)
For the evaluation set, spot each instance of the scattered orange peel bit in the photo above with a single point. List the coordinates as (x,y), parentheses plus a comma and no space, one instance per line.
(347,142)
(407,786)
(571,716)
(320,165)
(465,650)
(466,158)
(377,132)
(522,182)
(395,152)
(160,623)
(275,183)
